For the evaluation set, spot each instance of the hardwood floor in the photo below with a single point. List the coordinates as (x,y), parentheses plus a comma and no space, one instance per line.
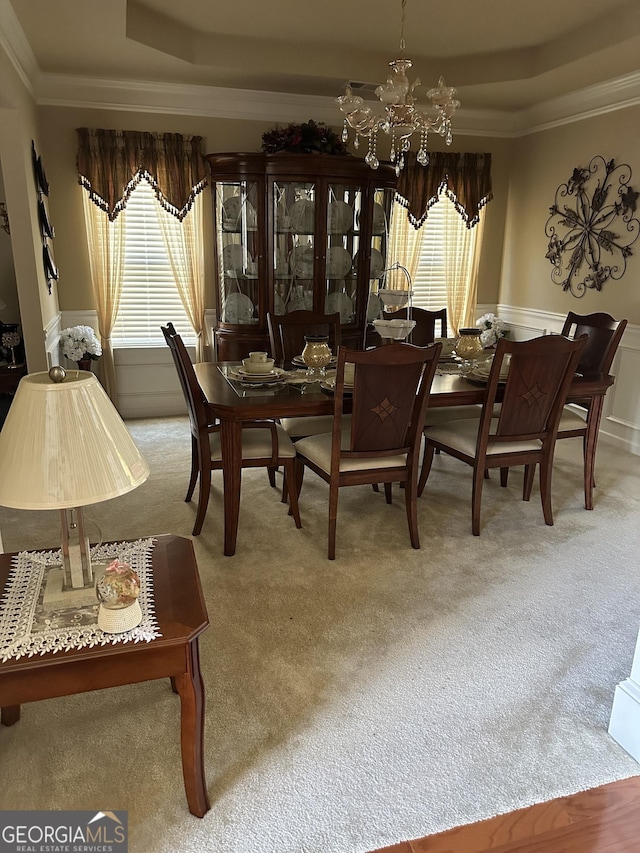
(601,820)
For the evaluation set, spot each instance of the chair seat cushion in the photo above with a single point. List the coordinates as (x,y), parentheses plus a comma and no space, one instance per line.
(570,420)
(317,449)
(312,425)
(462,436)
(256,444)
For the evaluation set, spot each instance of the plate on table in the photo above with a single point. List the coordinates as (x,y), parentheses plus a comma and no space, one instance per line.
(242,375)
(238,308)
(339,303)
(298,361)
(329,386)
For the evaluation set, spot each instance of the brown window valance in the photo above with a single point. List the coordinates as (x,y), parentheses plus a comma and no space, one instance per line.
(465,178)
(111,163)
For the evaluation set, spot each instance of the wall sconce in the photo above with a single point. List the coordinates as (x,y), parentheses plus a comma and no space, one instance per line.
(4,217)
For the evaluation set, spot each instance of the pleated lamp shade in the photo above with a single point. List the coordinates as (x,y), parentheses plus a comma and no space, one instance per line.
(65,445)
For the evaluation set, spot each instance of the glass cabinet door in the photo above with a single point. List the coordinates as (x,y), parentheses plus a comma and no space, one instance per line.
(342,255)
(293,246)
(238,251)
(379,248)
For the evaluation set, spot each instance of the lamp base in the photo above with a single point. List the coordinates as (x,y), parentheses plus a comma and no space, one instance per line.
(118,621)
(58,596)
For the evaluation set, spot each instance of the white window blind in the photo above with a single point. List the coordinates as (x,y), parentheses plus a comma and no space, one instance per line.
(150,298)
(430,282)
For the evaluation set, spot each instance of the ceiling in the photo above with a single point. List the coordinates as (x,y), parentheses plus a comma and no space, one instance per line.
(505,55)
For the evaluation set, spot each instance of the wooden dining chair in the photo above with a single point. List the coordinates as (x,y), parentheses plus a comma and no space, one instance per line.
(605,334)
(287,332)
(524,433)
(424,332)
(381,443)
(286,339)
(264,443)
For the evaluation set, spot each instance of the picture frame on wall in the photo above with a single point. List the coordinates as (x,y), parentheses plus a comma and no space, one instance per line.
(46,228)
(42,184)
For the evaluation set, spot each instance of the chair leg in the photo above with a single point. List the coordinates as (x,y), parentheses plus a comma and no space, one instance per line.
(194,469)
(426,467)
(387,492)
(271,472)
(545,489)
(205,489)
(504,476)
(333,515)
(290,477)
(411,504)
(527,486)
(476,498)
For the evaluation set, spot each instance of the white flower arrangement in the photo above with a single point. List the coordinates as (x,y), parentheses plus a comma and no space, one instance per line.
(80,342)
(493,328)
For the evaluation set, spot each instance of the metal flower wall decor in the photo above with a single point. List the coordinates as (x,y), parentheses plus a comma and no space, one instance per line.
(592,226)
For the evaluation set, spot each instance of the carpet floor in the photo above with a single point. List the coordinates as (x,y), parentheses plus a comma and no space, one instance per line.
(387,695)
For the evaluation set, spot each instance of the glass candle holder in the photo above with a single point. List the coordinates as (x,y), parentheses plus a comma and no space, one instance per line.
(316,355)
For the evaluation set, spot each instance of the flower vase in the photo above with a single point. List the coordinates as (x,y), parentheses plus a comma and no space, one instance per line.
(85,364)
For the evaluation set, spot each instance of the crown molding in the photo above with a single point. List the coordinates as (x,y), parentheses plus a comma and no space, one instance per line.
(251,105)
(15,45)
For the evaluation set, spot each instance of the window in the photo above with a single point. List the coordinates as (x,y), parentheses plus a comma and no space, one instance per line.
(429,282)
(149,296)
(442,259)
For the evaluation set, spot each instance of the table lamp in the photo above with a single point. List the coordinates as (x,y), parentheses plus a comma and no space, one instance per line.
(63,446)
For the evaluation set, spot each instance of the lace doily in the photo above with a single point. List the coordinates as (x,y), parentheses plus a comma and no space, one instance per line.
(28,628)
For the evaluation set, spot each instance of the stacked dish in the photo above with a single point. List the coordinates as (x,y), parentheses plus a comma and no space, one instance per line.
(242,374)
(340,217)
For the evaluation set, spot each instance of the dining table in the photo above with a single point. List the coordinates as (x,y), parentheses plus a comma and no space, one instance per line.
(234,403)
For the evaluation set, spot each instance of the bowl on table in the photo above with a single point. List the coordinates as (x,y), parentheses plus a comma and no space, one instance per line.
(259,368)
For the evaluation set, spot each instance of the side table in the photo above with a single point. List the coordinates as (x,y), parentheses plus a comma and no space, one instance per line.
(182,616)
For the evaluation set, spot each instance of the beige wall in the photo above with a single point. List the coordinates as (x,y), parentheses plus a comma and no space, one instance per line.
(58,126)
(18,126)
(541,162)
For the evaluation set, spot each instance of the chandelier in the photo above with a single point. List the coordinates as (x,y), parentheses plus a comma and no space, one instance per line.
(401,118)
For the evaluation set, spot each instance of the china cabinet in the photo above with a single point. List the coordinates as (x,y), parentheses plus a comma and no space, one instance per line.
(297,232)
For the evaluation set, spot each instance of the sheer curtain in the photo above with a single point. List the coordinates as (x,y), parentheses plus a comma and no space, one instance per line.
(186,256)
(106,263)
(405,245)
(111,163)
(461,260)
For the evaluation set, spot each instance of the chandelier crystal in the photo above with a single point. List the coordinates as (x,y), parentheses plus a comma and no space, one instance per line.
(401,118)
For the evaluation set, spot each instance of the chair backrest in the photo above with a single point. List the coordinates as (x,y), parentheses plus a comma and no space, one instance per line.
(540,373)
(193,394)
(424,332)
(287,332)
(391,388)
(604,337)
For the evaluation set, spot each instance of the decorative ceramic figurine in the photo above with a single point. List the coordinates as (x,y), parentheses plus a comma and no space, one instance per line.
(117,591)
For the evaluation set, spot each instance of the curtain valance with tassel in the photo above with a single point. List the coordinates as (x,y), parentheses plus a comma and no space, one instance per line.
(465,178)
(111,163)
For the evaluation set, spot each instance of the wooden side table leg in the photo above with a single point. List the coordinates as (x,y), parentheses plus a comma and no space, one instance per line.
(191,689)
(9,715)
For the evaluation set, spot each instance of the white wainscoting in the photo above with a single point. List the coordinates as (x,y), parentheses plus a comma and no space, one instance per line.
(148,386)
(621,415)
